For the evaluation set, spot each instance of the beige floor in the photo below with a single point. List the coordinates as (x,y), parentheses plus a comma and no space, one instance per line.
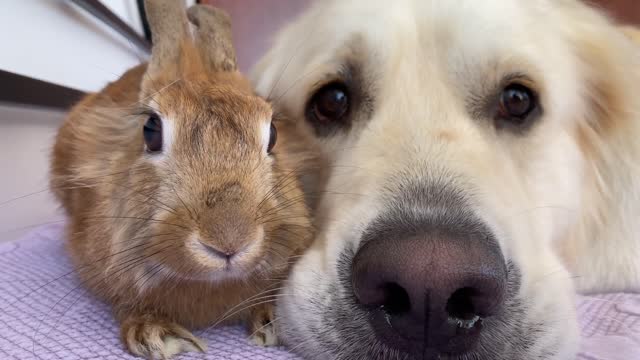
(26,136)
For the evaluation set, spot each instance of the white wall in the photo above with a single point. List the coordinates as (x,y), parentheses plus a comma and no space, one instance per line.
(55,41)
(26,137)
(127,10)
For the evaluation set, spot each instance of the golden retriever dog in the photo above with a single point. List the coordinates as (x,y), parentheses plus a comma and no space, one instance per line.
(482,166)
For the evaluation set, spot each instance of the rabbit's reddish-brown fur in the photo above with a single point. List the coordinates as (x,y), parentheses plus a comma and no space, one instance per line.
(136,220)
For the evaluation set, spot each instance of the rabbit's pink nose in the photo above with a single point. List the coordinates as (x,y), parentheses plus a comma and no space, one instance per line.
(226,255)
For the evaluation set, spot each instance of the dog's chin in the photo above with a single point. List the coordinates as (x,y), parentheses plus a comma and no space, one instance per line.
(321,319)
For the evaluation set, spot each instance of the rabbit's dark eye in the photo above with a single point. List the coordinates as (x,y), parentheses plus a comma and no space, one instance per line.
(152,132)
(273,136)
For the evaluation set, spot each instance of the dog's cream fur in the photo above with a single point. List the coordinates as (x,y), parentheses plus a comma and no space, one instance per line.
(562,197)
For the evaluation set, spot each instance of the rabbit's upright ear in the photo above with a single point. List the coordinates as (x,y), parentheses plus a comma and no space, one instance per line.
(213,37)
(170,29)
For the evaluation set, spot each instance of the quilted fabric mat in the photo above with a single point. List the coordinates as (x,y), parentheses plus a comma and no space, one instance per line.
(45,319)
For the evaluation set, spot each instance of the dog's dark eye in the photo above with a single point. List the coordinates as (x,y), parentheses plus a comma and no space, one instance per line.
(329,104)
(152,132)
(273,137)
(516,103)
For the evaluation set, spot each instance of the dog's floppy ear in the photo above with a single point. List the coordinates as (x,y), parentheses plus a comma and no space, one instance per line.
(609,66)
(632,32)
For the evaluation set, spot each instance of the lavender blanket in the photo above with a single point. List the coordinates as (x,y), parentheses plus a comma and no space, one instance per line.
(45,319)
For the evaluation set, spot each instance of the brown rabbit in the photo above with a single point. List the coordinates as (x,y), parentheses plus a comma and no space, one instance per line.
(182,213)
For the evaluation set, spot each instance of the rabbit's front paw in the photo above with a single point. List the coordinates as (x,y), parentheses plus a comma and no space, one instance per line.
(262,327)
(149,337)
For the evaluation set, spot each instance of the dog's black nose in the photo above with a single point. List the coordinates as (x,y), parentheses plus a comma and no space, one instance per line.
(429,291)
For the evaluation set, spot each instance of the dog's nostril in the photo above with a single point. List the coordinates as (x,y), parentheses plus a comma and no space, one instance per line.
(396,299)
(461,309)
(460,304)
